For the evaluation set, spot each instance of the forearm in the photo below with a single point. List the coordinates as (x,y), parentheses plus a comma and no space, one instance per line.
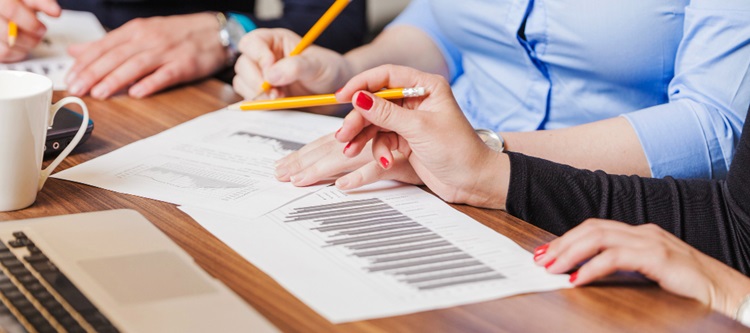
(399,45)
(557,198)
(610,145)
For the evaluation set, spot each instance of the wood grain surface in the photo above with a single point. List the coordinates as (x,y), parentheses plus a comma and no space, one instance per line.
(607,307)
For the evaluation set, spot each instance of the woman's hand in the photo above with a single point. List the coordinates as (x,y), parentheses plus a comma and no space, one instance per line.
(429,132)
(30,28)
(265,58)
(611,246)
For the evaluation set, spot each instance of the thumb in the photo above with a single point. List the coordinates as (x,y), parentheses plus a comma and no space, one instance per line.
(291,69)
(386,114)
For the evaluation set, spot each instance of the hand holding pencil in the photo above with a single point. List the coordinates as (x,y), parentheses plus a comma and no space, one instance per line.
(266,57)
(23,30)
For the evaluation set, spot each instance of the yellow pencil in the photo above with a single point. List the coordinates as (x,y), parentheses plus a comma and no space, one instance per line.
(12,33)
(317,29)
(320,100)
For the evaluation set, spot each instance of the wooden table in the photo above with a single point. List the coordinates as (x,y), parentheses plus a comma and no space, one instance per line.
(122,120)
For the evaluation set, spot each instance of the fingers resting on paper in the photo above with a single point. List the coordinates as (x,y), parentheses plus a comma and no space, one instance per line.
(611,246)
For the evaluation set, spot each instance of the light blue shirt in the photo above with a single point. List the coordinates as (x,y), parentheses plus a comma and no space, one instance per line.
(676,69)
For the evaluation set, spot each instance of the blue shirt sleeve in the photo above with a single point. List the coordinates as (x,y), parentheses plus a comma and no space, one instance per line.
(419,14)
(695,133)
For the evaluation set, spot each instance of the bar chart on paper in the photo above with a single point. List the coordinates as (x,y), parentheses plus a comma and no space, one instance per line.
(393,244)
(397,247)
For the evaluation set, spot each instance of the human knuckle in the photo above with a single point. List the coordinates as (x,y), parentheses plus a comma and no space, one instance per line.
(141,62)
(598,236)
(137,23)
(591,222)
(660,253)
(10,9)
(652,229)
(294,164)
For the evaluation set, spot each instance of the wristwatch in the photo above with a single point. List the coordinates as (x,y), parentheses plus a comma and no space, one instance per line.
(491,139)
(232,27)
(743,311)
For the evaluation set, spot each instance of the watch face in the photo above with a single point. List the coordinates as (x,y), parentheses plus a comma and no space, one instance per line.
(490,139)
(236,31)
(743,314)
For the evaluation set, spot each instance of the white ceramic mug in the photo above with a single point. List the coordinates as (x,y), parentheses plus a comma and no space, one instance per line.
(25,115)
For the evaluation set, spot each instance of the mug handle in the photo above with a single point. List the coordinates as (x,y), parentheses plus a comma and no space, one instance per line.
(73,143)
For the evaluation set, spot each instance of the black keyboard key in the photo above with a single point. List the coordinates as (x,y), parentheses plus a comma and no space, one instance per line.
(33,249)
(44,267)
(11,262)
(59,282)
(27,280)
(19,271)
(39,322)
(7,286)
(52,305)
(39,257)
(35,288)
(26,308)
(66,320)
(14,294)
(78,329)
(100,322)
(19,234)
(21,242)
(43,296)
(3,247)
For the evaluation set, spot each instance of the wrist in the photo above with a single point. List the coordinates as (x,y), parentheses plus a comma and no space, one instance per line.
(491,179)
(231,28)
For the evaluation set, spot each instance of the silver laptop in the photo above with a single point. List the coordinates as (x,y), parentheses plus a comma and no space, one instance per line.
(110,271)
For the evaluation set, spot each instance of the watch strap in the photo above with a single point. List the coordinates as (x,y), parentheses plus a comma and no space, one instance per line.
(243,20)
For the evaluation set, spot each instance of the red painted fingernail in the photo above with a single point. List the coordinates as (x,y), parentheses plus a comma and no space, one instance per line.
(538,256)
(337,133)
(573,277)
(340,89)
(347,147)
(364,101)
(549,264)
(384,162)
(542,249)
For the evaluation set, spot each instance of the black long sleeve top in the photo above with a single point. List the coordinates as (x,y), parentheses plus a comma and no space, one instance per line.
(345,33)
(710,215)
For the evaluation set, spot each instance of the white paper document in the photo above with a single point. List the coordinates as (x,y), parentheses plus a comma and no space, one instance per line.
(385,250)
(50,58)
(222,161)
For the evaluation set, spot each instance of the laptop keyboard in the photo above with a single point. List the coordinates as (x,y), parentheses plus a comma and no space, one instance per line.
(36,296)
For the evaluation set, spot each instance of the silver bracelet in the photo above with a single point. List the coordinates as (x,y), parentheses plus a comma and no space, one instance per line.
(491,139)
(743,311)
